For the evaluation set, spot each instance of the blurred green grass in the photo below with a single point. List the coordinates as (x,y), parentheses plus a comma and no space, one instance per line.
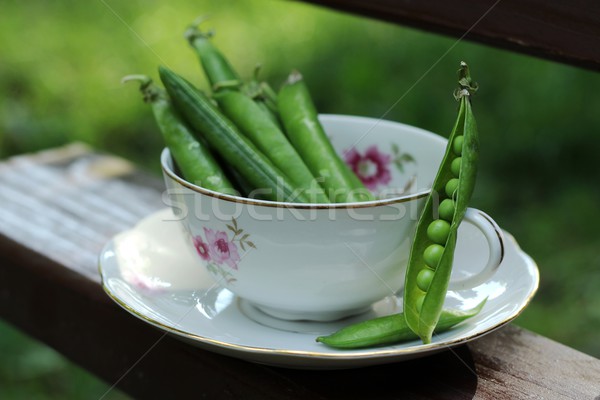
(62,63)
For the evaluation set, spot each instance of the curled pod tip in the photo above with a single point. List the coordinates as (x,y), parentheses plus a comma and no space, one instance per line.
(193,30)
(149,90)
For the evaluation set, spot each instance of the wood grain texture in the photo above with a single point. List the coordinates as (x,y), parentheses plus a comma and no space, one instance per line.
(508,360)
(565,31)
(60,207)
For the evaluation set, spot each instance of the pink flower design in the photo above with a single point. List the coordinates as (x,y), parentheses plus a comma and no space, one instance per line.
(201,248)
(372,168)
(221,249)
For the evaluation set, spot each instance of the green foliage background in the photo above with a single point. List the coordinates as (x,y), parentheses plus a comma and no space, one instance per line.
(59,77)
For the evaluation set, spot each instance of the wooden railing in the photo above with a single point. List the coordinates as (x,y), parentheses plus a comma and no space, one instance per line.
(59,208)
(563,30)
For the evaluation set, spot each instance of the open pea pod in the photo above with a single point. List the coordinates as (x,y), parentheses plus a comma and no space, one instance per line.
(432,252)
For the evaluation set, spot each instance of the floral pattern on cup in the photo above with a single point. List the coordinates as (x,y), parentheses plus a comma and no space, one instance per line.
(220,249)
(373,166)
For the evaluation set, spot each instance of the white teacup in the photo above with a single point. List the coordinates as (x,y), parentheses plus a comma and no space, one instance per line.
(325,261)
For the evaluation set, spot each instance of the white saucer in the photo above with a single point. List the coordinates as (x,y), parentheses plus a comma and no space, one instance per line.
(153,275)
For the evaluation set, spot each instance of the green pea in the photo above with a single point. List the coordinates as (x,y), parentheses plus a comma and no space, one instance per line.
(451,187)
(446,209)
(433,254)
(457,145)
(424,279)
(455,166)
(438,231)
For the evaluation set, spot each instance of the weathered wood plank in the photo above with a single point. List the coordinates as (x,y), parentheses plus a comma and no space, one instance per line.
(67,203)
(565,31)
(513,363)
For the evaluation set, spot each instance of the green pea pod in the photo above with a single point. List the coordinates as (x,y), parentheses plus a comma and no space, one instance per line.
(223,77)
(193,158)
(269,139)
(432,252)
(306,134)
(217,68)
(390,329)
(224,137)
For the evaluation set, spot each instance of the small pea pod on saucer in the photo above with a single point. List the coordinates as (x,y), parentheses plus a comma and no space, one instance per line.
(390,329)
(432,252)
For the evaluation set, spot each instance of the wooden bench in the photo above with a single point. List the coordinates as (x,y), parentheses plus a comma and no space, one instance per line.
(59,207)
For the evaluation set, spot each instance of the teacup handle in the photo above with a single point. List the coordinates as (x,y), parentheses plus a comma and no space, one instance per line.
(495,240)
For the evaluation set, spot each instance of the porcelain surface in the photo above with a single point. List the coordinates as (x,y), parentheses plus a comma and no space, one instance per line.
(315,261)
(154,275)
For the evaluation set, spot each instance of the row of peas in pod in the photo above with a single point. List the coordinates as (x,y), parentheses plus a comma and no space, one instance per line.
(432,251)
(439,229)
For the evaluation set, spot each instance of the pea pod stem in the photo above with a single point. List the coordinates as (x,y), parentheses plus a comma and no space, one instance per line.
(193,157)
(218,70)
(261,90)
(223,77)
(391,329)
(424,298)
(264,96)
